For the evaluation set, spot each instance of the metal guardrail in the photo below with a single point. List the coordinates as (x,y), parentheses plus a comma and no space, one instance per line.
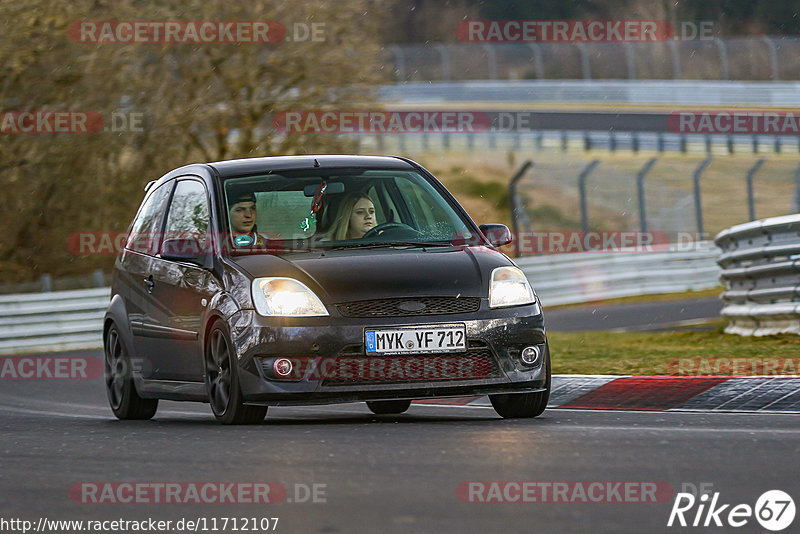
(746,58)
(53,321)
(761,273)
(683,94)
(589,276)
(66,320)
(627,129)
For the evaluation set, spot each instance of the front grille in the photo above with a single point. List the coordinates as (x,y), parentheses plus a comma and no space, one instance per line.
(477,363)
(407,307)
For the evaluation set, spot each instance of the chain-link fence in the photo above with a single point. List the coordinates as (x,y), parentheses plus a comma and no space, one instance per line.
(676,198)
(749,58)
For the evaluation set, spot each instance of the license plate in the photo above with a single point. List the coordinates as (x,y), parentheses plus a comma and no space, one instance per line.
(416,339)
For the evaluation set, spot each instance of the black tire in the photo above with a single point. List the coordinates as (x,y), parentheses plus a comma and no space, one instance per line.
(524,405)
(123,398)
(222,382)
(388,407)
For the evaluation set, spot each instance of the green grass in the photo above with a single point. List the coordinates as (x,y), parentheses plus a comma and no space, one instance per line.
(658,353)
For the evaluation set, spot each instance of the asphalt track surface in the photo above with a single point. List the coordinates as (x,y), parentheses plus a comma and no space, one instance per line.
(632,317)
(382,473)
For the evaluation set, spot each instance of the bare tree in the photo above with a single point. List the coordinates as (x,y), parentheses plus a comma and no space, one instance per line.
(204,102)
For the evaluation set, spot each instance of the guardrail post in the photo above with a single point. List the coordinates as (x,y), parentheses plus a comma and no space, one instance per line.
(660,142)
(586,66)
(773,57)
(708,144)
(635,142)
(751,202)
(723,58)
(612,141)
(582,192)
(400,62)
(797,190)
(730,144)
(676,60)
(640,191)
(98,279)
(538,62)
(682,142)
(587,141)
(564,140)
(47,283)
(698,203)
(629,60)
(755,144)
(516,207)
(491,59)
(446,70)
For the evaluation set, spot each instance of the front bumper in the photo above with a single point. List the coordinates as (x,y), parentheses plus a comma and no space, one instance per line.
(495,338)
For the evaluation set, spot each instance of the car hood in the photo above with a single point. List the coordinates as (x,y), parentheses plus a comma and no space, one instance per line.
(363,274)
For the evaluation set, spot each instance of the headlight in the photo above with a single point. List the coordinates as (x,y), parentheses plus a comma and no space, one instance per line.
(509,287)
(285,297)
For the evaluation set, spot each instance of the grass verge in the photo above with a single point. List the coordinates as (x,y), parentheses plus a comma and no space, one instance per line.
(673,353)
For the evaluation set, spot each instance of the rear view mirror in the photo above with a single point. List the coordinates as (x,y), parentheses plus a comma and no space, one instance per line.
(497,234)
(332,189)
(185,249)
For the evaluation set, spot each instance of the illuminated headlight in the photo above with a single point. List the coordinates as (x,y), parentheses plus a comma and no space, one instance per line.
(285,297)
(509,287)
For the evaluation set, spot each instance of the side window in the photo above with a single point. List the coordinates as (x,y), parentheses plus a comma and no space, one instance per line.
(281,213)
(434,222)
(415,202)
(147,224)
(188,213)
(380,216)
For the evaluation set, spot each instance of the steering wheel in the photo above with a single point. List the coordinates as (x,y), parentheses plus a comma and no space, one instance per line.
(381,229)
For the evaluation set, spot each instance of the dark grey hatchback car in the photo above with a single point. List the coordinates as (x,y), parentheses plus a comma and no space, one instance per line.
(312,280)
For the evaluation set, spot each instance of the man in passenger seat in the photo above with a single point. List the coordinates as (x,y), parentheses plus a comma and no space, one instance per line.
(242,215)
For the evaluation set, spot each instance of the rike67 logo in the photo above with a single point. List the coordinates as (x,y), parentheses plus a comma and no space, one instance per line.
(774,510)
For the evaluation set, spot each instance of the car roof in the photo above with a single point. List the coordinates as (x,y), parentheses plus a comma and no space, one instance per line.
(239,167)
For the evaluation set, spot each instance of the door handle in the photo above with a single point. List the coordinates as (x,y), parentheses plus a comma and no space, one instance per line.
(149,283)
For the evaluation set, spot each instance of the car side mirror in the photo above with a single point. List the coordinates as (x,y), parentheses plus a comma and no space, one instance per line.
(186,249)
(497,234)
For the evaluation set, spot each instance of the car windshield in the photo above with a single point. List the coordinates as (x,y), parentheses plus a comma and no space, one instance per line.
(353,208)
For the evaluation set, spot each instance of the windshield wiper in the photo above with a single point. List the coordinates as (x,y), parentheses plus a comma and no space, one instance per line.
(389,244)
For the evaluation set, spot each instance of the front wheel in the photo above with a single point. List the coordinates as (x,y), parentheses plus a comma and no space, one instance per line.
(388,407)
(524,405)
(222,382)
(123,398)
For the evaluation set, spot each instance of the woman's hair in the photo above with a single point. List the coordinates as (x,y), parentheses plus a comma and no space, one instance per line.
(341,224)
